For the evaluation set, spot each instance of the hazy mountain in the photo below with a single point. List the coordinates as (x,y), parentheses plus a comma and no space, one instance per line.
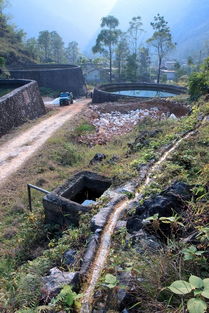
(192,30)
(80,20)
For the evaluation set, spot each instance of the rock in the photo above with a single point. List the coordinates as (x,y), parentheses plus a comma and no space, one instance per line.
(167,202)
(170,201)
(181,190)
(53,283)
(143,242)
(162,205)
(172,117)
(134,224)
(69,257)
(120,224)
(99,157)
(114,159)
(99,220)
(143,139)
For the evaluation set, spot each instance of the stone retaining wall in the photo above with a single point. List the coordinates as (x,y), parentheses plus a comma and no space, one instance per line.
(22,104)
(60,77)
(103,93)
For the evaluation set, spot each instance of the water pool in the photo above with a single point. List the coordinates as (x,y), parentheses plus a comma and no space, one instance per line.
(144,93)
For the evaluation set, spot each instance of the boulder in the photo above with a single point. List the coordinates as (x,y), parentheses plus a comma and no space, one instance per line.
(170,201)
(69,257)
(99,157)
(134,224)
(53,283)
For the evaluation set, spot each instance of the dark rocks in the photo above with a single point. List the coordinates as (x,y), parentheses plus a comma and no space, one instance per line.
(163,205)
(134,224)
(69,257)
(170,201)
(99,157)
(114,159)
(180,190)
(53,283)
(144,242)
(143,139)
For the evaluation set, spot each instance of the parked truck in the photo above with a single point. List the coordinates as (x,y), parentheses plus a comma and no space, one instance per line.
(66,98)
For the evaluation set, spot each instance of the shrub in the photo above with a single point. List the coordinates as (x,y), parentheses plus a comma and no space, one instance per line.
(199,82)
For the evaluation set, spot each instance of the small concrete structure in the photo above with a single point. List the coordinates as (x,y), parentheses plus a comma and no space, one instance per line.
(22,104)
(64,205)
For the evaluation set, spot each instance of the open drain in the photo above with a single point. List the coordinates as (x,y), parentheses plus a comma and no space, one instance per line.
(84,187)
(64,204)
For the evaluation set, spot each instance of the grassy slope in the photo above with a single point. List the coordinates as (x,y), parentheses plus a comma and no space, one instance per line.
(21,232)
(151,273)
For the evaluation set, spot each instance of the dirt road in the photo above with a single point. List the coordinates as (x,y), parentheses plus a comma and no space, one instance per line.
(16,151)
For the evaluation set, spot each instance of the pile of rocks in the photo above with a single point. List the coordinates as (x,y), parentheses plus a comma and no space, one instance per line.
(115,123)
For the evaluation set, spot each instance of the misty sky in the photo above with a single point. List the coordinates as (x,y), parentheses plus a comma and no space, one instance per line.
(80,19)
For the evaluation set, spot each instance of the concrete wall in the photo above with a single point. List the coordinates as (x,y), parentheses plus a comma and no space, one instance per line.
(60,77)
(103,93)
(23,103)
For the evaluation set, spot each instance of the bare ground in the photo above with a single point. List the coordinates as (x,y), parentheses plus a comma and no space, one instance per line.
(21,147)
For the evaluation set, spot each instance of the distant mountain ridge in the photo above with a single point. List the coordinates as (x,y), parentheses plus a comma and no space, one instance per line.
(188,19)
(193,29)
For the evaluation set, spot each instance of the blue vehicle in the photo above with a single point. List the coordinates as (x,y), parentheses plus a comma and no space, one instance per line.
(66,98)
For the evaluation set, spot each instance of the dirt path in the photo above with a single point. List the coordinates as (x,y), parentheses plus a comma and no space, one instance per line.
(16,151)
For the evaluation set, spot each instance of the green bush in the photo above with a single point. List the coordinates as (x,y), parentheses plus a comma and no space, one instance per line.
(83,128)
(199,82)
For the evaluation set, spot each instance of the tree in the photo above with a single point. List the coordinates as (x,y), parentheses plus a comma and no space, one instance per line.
(121,53)
(161,40)
(3,5)
(107,39)
(135,29)
(57,47)
(144,64)
(44,40)
(32,47)
(130,69)
(72,52)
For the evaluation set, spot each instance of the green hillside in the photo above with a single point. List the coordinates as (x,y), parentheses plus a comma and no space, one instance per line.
(11,44)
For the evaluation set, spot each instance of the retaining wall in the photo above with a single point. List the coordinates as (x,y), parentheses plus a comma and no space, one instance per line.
(103,93)
(22,104)
(60,77)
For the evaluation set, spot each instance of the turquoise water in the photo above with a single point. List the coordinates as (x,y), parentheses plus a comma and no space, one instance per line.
(144,93)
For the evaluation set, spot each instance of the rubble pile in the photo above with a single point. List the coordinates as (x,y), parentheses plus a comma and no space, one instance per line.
(116,123)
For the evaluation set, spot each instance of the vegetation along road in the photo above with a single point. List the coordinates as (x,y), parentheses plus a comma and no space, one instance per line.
(20,148)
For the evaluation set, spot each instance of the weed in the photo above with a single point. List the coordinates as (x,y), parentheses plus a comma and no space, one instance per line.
(83,128)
